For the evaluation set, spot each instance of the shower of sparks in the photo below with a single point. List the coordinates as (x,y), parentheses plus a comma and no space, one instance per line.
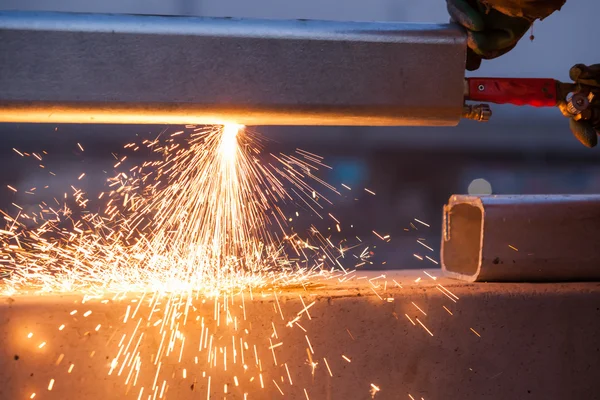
(207,215)
(185,242)
(204,223)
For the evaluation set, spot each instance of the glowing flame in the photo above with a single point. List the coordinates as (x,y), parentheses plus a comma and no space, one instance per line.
(229,146)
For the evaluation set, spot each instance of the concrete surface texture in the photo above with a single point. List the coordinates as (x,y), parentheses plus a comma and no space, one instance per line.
(381,335)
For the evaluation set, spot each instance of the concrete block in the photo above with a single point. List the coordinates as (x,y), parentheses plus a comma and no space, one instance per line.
(384,336)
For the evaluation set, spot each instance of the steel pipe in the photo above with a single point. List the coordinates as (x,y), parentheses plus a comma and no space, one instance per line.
(86,68)
(522,238)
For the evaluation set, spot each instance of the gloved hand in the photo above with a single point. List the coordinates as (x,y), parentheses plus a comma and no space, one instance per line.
(491,33)
(585,126)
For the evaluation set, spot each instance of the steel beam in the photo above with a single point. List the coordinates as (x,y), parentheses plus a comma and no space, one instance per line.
(86,68)
(522,238)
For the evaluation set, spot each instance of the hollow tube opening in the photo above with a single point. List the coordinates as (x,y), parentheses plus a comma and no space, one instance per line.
(462,239)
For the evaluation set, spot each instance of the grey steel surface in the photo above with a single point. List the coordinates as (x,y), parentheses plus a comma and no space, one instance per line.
(60,67)
(522,238)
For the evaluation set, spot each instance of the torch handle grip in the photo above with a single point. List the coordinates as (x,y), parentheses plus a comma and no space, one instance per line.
(518,91)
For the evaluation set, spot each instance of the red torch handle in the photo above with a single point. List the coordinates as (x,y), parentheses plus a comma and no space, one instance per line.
(518,91)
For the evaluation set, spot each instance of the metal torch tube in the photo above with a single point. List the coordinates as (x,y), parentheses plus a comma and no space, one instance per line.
(522,238)
(86,68)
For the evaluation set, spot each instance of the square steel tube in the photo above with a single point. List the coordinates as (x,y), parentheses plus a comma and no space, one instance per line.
(94,68)
(513,238)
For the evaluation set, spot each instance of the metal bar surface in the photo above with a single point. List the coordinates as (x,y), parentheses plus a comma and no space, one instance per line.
(522,238)
(93,68)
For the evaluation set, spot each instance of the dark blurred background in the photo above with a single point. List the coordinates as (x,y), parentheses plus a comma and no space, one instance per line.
(413,171)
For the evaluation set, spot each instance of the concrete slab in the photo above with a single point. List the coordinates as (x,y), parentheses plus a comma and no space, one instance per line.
(382,334)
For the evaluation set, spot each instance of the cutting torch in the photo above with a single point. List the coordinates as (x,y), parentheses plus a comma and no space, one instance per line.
(579,101)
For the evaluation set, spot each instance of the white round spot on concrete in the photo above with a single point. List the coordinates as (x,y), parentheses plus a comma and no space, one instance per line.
(480,186)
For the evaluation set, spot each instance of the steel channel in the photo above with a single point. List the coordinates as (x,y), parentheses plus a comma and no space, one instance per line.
(522,238)
(93,68)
